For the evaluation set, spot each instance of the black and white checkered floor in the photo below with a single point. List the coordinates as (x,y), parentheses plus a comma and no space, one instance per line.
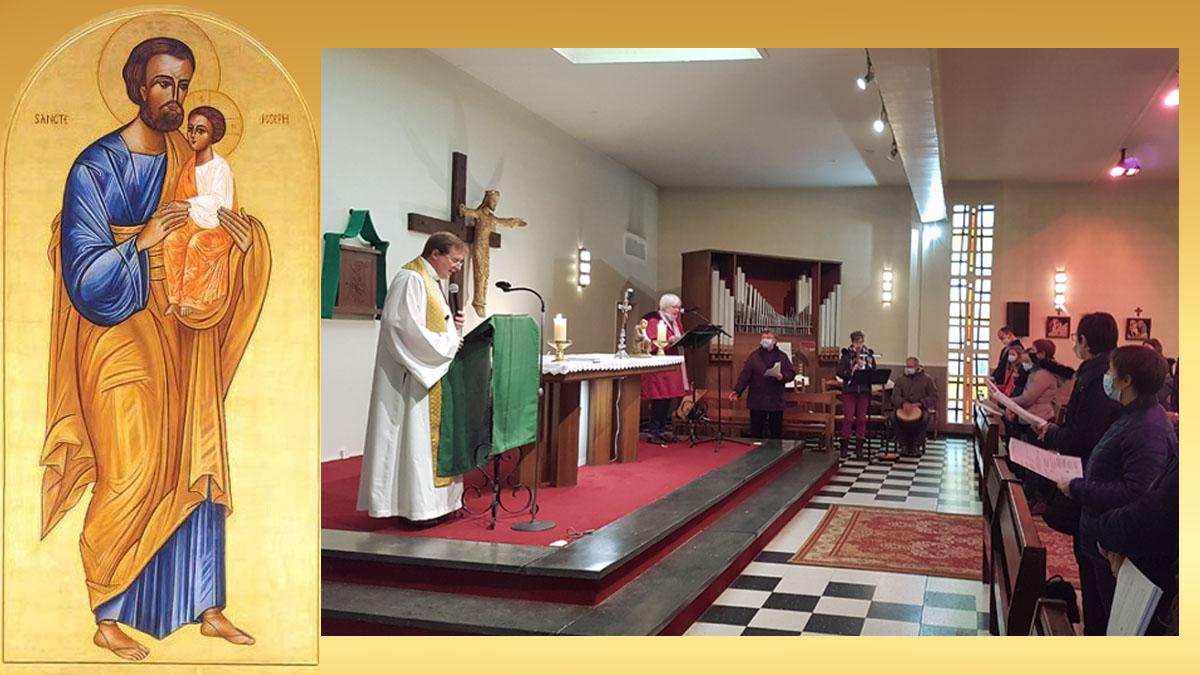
(774,597)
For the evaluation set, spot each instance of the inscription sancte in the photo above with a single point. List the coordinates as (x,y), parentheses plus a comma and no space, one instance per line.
(57,119)
(274,118)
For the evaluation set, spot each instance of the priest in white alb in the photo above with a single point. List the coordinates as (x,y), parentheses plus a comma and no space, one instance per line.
(418,338)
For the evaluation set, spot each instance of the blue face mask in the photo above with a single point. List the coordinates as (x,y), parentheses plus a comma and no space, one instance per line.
(1114,394)
(1027,365)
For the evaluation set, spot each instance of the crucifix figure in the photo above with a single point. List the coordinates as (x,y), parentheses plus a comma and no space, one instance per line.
(486,220)
(1138,311)
(456,224)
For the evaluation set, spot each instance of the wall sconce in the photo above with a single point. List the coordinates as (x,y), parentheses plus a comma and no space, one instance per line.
(1060,290)
(888,279)
(585,266)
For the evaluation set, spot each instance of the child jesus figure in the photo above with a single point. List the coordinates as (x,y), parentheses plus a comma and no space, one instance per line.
(196,256)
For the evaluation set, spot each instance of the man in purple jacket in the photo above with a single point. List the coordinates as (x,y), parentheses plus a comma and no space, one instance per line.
(766,371)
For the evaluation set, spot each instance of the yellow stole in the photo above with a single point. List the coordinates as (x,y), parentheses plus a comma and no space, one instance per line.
(436,322)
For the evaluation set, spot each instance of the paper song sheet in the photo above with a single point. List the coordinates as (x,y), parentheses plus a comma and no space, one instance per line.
(1133,603)
(1033,420)
(1056,467)
(989,407)
(775,369)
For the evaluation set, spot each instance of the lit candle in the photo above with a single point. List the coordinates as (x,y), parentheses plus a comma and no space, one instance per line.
(662,331)
(560,328)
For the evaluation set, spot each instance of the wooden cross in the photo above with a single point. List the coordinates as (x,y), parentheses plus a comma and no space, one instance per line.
(456,224)
(1138,311)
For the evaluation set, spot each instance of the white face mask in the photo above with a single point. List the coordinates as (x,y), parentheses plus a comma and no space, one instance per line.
(910,371)
(767,343)
(1012,358)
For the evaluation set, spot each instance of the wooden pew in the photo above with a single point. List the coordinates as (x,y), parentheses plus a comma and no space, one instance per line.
(987,441)
(1052,619)
(813,414)
(1018,572)
(993,491)
(806,414)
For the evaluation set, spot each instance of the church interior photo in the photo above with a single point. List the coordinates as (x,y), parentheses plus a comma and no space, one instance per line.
(749,341)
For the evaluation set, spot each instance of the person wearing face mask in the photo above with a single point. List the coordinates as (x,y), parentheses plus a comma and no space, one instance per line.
(856,398)
(1007,338)
(664,390)
(1014,377)
(1132,453)
(1089,410)
(766,371)
(1044,376)
(913,397)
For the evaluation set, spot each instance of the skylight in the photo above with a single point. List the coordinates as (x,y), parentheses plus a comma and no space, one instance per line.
(633,55)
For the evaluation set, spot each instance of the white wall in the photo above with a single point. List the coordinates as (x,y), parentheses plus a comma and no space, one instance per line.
(1117,240)
(867,229)
(390,120)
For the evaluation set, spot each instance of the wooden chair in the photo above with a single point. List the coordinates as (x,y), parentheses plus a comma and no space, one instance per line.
(813,415)
(1018,571)
(1052,619)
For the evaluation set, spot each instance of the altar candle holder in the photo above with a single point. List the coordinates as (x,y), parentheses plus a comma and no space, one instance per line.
(662,346)
(559,346)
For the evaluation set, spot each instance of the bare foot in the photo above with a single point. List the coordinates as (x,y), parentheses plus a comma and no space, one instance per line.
(109,636)
(185,310)
(214,624)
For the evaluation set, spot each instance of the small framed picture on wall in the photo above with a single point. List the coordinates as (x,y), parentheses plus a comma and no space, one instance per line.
(1137,329)
(1058,327)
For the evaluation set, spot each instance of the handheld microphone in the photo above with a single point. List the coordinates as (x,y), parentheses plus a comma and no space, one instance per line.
(455,304)
(692,308)
(504,286)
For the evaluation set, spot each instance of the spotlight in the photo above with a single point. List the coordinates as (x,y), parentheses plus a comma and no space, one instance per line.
(1127,166)
(864,80)
(1172,99)
(880,123)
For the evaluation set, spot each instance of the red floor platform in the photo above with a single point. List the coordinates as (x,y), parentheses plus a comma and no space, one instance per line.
(604,494)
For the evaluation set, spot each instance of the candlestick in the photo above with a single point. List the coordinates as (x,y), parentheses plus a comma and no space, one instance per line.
(559,346)
(560,328)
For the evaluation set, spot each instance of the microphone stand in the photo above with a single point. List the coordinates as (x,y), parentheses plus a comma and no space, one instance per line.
(533,524)
(720,401)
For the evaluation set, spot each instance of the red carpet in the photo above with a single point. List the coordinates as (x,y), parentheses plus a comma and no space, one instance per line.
(896,540)
(1060,554)
(603,494)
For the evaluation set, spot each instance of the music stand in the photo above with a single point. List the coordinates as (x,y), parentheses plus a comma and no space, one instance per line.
(693,339)
(869,378)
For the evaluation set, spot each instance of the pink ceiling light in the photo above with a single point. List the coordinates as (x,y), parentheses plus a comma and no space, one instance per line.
(1128,166)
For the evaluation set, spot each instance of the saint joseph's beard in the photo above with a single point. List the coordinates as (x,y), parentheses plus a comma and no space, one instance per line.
(168,117)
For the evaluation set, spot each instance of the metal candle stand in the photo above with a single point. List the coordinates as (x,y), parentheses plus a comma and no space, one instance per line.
(496,484)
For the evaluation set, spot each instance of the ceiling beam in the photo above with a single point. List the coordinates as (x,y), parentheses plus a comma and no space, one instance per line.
(907,80)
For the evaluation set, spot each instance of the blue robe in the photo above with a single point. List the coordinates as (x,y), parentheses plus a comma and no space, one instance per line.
(107,283)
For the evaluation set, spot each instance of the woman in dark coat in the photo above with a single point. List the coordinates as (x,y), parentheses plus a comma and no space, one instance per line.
(1120,469)
(664,390)
(856,398)
(1147,532)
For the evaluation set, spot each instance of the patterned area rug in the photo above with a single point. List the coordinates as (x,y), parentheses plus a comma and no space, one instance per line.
(896,540)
